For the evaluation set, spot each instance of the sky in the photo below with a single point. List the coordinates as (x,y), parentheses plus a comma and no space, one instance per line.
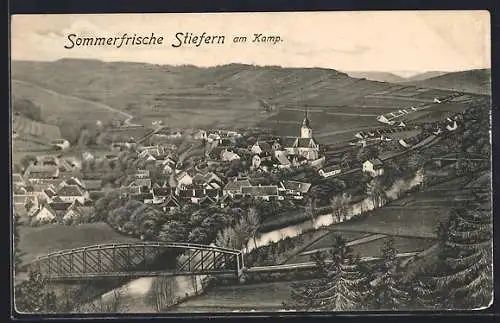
(402,42)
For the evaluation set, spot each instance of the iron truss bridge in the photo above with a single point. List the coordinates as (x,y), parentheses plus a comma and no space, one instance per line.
(137,260)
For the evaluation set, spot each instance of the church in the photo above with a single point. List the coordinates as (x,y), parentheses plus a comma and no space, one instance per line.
(305,145)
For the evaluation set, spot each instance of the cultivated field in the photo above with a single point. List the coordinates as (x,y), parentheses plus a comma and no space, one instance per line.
(189,96)
(27,127)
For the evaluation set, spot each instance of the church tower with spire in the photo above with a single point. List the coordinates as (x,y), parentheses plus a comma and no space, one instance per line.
(305,129)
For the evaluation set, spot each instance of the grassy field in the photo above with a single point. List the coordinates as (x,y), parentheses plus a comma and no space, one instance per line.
(402,245)
(405,221)
(56,106)
(262,297)
(329,240)
(38,241)
(27,127)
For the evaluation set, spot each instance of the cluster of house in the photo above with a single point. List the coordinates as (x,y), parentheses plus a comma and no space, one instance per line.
(55,187)
(50,188)
(67,201)
(205,187)
(374,167)
(270,152)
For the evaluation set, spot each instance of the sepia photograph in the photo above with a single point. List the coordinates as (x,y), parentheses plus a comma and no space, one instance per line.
(251,162)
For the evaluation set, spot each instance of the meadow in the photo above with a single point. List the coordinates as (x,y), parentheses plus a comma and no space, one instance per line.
(27,127)
(39,241)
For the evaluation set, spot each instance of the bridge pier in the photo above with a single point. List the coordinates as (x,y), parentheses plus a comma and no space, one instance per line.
(240,268)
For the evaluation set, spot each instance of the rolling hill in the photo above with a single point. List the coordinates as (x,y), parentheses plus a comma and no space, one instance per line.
(231,95)
(377,76)
(424,76)
(472,81)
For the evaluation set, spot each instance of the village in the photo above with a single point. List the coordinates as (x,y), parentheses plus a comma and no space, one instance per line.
(201,167)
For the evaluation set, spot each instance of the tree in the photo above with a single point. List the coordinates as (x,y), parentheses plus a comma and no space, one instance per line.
(27,160)
(375,192)
(339,207)
(343,288)
(163,293)
(173,231)
(226,238)
(31,295)
(253,221)
(464,276)
(309,210)
(366,153)
(386,293)
(27,109)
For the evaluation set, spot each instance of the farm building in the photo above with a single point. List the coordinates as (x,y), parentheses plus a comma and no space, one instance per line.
(71,193)
(375,167)
(295,189)
(60,143)
(265,193)
(45,214)
(234,188)
(329,171)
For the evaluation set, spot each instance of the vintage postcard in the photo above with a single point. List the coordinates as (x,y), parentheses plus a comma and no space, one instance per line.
(251,162)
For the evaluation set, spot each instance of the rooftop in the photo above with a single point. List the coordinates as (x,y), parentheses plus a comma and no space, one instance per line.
(271,190)
(297,186)
(70,190)
(237,185)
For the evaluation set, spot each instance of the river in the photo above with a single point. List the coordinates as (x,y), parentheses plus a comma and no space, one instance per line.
(137,294)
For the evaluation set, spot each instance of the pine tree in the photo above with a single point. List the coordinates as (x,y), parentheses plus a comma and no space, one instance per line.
(463,277)
(31,295)
(386,293)
(343,287)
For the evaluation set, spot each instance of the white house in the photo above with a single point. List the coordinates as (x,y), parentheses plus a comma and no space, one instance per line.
(265,193)
(184,179)
(382,118)
(295,189)
(45,214)
(330,171)
(87,156)
(71,193)
(201,135)
(234,188)
(261,147)
(60,143)
(256,160)
(375,167)
(229,155)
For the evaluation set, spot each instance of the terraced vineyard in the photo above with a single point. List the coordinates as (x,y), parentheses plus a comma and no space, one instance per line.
(27,127)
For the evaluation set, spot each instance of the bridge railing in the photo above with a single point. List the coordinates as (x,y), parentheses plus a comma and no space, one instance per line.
(111,258)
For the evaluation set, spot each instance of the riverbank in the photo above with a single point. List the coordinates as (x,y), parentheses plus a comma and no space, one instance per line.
(138,291)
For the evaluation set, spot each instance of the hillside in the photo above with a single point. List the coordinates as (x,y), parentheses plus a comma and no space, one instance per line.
(228,95)
(377,76)
(424,76)
(473,81)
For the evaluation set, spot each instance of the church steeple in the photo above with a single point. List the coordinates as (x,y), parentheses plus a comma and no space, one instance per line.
(305,122)
(305,129)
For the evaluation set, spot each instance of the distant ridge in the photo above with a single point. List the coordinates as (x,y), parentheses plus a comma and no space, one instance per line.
(377,76)
(472,81)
